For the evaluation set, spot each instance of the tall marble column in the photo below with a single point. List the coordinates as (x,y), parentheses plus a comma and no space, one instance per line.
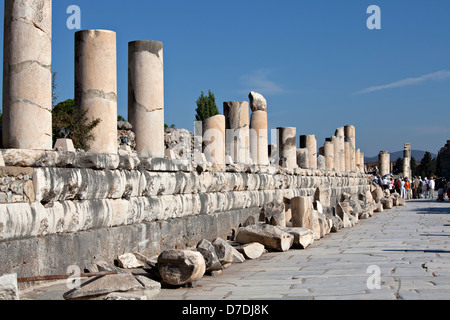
(407,161)
(237,130)
(214,140)
(27,75)
(341,142)
(310,142)
(349,132)
(384,160)
(259,141)
(287,147)
(96,85)
(146,96)
(337,160)
(363,165)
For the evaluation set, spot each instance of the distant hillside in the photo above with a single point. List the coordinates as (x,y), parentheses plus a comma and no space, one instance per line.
(416,154)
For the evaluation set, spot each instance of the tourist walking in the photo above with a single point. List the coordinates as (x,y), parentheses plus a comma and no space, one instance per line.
(425,188)
(431,186)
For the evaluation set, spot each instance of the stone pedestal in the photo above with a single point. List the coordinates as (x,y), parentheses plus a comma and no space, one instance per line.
(303,158)
(259,152)
(96,85)
(27,75)
(310,142)
(384,161)
(349,132)
(287,147)
(146,96)
(214,140)
(341,142)
(237,130)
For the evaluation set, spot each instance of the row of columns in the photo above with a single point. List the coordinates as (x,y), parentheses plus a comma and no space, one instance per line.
(27,100)
(27,83)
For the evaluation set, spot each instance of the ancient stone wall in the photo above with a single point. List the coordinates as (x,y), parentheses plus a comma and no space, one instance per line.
(64,208)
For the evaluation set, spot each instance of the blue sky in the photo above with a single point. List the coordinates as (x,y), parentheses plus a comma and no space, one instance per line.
(315,61)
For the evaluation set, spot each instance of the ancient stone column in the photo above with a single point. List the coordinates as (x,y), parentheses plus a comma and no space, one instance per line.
(363,165)
(27,75)
(407,161)
(259,143)
(237,130)
(337,160)
(349,133)
(146,96)
(303,158)
(358,160)
(310,142)
(96,85)
(328,153)
(287,147)
(341,142)
(214,140)
(347,156)
(384,161)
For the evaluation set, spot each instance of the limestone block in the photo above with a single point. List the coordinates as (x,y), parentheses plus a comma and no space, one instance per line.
(99,287)
(224,251)
(301,208)
(8,287)
(252,250)
(257,102)
(209,253)
(270,236)
(129,261)
(64,145)
(180,267)
(274,213)
(303,237)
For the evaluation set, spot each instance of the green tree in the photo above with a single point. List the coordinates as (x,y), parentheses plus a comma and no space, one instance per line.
(206,106)
(120,118)
(438,171)
(413,168)
(398,166)
(66,116)
(427,167)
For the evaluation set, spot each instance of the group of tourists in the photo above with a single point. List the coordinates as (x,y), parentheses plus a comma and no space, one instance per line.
(417,188)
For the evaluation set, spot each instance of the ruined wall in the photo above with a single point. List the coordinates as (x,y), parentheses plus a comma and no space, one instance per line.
(65,208)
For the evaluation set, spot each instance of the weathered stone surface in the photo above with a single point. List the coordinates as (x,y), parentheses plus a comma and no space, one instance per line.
(259,149)
(310,142)
(257,102)
(270,236)
(323,194)
(273,213)
(237,256)
(387,203)
(96,85)
(123,296)
(209,253)
(301,208)
(129,261)
(237,123)
(27,75)
(303,237)
(345,216)
(180,267)
(252,250)
(8,287)
(146,96)
(224,251)
(287,142)
(101,286)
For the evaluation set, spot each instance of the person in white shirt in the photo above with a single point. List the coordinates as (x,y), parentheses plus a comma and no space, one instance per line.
(425,188)
(431,186)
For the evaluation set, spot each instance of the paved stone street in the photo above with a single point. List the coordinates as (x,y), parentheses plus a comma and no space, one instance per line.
(408,247)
